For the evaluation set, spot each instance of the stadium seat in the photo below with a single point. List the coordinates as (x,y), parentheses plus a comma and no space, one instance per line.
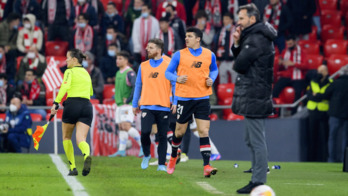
(225,91)
(94,101)
(60,60)
(213,117)
(228,102)
(56,48)
(312,36)
(310,46)
(328,4)
(336,61)
(2,116)
(335,47)
(233,116)
(109,101)
(287,95)
(344,8)
(35,117)
(109,91)
(332,32)
(314,61)
(330,17)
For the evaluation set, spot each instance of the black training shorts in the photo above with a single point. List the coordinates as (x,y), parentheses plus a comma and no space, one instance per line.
(185,109)
(77,110)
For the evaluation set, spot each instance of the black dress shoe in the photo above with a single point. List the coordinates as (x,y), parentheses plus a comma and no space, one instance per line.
(73,172)
(249,187)
(249,170)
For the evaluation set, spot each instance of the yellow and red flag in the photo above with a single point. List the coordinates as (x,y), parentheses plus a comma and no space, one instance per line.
(38,135)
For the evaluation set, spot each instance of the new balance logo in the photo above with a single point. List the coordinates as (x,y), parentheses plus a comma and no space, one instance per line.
(153,75)
(196,64)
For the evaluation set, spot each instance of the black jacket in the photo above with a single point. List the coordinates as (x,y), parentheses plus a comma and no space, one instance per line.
(337,94)
(254,64)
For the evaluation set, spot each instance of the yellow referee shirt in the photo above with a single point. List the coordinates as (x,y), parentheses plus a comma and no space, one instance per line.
(77,83)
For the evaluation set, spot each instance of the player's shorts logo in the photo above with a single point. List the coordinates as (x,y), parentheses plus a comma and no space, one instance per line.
(196,64)
(153,75)
(143,114)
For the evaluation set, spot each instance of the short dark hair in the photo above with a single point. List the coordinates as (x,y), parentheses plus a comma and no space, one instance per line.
(124,54)
(76,53)
(3,76)
(2,46)
(112,3)
(164,19)
(12,16)
(159,43)
(229,14)
(32,71)
(112,45)
(290,37)
(85,16)
(196,31)
(251,11)
(201,14)
(111,27)
(147,5)
(172,6)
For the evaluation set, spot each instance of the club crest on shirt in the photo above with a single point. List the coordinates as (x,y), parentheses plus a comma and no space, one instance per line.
(178,116)
(143,114)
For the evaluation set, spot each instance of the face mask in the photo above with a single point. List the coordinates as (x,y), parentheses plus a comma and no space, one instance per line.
(15,27)
(202,22)
(13,108)
(319,76)
(31,55)
(1,83)
(109,37)
(1,55)
(292,48)
(27,25)
(111,53)
(81,25)
(137,9)
(228,26)
(144,15)
(84,63)
(111,15)
(30,81)
(81,1)
(168,14)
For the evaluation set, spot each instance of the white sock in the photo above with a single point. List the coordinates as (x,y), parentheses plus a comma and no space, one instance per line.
(214,150)
(123,136)
(169,148)
(135,134)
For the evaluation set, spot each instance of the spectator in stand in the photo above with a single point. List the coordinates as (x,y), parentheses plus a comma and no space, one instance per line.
(18,121)
(96,76)
(230,6)
(279,16)
(144,28)
(108,66)
(59,18)
(114,37)
(6,91)
(83,7)
(292,64)
(179,7)
(224,53)
(31,93)
(84,37)
(169,36)
(176,23)
(112,18)
(23,7)
(32,61)
(133,12)
(213,10)
(318,119)
(30,36)
(8,39)
(204,25)
(302,12)
(2,60)
(337,94)
(316,17)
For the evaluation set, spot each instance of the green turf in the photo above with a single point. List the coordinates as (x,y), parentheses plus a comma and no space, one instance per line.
(28,174)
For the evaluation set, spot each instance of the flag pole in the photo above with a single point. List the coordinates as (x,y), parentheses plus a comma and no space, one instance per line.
(55,127)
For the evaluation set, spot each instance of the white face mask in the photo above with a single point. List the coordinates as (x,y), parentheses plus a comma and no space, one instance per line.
(27,25)
(13,108)
(81,1)
(31,55)
(84,63)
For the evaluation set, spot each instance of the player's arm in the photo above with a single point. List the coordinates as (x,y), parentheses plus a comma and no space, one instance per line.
(174,98)
(137,89)
(214,71)
(131,77)
(64,87)
(173,65)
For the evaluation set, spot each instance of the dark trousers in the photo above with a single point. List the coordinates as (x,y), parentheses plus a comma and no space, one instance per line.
(338,132)
(58,31)
(298,85)
(318,132)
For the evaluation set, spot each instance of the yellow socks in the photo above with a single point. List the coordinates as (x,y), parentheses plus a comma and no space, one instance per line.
(69,152)
(84,147)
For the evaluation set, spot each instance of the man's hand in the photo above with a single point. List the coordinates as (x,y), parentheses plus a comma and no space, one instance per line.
(136,111)
(173,108)
(288,63)
(209,81)
(181,79)
(124,100)
(236,35)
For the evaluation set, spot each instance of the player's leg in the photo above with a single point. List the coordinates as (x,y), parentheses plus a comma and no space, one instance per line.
(162,121)
(122,135)
(81,135)
(215,154)
(67,130)
(127,125)
(147,120)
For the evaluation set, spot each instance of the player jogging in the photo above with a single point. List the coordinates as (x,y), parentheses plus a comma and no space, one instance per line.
(196,71)
(154,90)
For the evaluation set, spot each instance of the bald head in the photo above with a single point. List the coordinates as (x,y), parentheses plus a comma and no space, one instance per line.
(322,69)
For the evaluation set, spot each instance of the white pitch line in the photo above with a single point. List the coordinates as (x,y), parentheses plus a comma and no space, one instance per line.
(306,184)
(206,186)
(75,185)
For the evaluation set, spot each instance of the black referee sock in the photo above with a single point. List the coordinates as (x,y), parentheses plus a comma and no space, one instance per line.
(175,145)
(205,149)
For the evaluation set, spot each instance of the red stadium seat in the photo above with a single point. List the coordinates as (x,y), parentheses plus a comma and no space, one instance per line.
(109,91)
(314,61)
(36,117)
(60,60)
(109,101)
(328,4)
(56,48)
(213,117)
(225,91)
(233,116)
(94,101)
(226,101)
(332,32)
(309,46)
(2,116)
(344,7)
(287,95)
(330,17)
(335,47)
(312,36)
(336,61)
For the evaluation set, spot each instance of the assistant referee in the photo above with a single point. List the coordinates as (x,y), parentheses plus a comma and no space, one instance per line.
(78,111)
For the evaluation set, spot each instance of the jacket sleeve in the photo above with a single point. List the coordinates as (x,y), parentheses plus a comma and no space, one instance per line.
(250,50)
(136,37)
(131,77)
(100,83)
(303,64)
(23,125)
(20,42)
